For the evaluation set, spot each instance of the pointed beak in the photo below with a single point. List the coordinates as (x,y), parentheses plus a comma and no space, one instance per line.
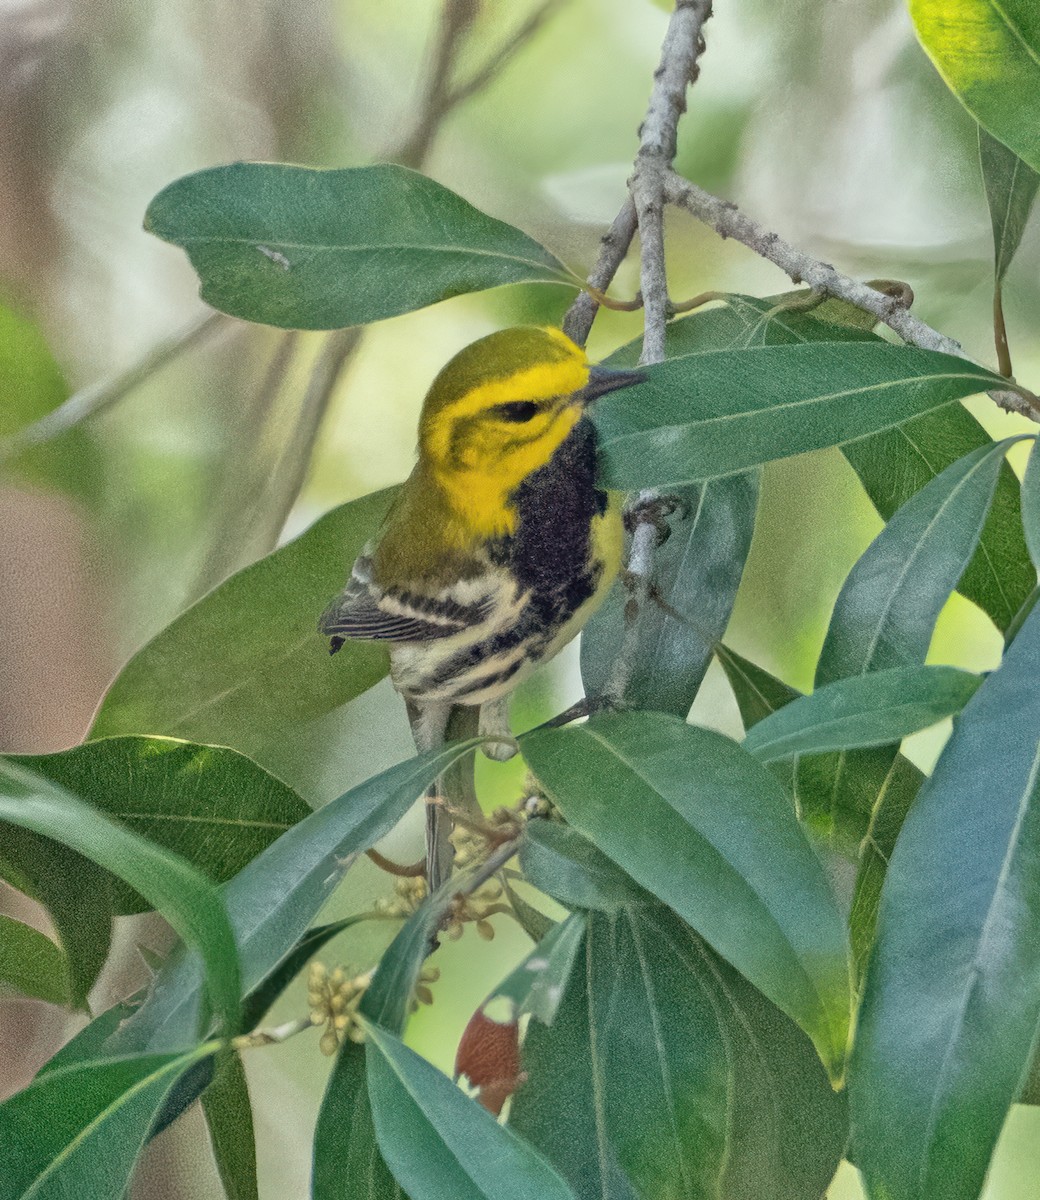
(604,379)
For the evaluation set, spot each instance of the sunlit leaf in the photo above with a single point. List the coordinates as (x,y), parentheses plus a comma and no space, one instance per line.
(319,249)
(989,56)
(187,899)
(1031,505)
(212,806)
(952,997)
(697,822)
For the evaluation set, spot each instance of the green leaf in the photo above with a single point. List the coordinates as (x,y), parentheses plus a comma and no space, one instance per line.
(1031,505)
(530,919)
(537,984)
(758,694)
(895,465)
(894,797)
(886,611)
(663,1061)
(215,808)
(246,664)
(78,1131)
(952,997)
(989,56)
(345,1149)
(696,575)
(720,412)
(89,1043)
(560,862)
(76,893)
(866,710)
(263,997)
(892,465)
(187,899)
(440,1144)
(1010,191)
(885,615)
(314,249)
(272,901)
(388,997)
(697,822)
(31,963)
(229,1116)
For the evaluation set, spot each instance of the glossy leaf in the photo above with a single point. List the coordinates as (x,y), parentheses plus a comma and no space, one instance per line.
(696,575)
(229,1117)
(720,412)
(318,249)
(345,1147)
(31,963)
(78,1131)
(563,864)
(866,710)
(989,56)
(272,902)
(215,808)
(697,822)
(440,1144)
(663,1061)
(952,997)
(187,899)
(246,661)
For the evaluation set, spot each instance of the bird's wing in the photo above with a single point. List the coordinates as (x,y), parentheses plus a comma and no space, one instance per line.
(366,611)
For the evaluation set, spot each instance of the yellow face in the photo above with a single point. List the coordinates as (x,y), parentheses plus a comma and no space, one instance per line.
(497,412)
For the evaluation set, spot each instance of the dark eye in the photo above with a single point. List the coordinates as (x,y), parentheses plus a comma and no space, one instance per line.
(517,410)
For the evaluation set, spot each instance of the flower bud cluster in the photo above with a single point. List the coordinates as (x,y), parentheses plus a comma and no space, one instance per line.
(333,998)
(409,893)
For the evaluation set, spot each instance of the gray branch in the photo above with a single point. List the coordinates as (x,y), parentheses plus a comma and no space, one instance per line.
(729,222)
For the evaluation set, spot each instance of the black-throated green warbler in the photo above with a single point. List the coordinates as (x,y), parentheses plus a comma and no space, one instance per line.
(499,545)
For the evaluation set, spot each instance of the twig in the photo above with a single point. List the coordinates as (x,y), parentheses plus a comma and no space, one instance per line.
(440,97)
(683,45)
(579,317)
(729,222)
(90,401)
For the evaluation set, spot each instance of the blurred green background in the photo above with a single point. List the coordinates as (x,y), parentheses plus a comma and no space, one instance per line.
(825,121)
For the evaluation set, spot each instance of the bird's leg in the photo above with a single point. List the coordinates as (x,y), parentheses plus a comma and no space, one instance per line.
(429,723)
(494,722)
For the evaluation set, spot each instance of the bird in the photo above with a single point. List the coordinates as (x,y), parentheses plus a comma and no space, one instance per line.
(498,547)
